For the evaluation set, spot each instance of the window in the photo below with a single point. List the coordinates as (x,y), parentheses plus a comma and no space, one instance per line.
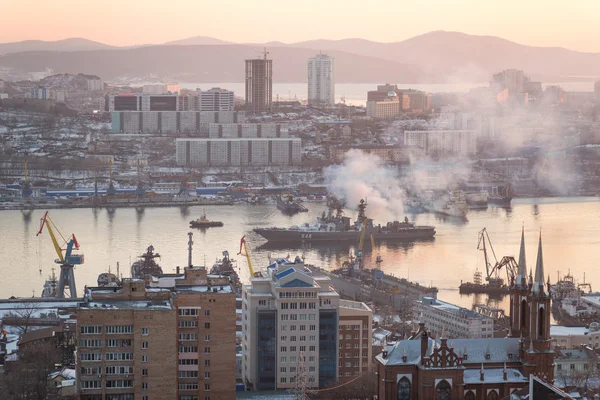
(144,358)
(443,391)
(293,349)
(207,314)
(492,395)
(90,370)
(283,349)
(262,302)
(144,331)
(302,327)
(112,343)
(188,361)
(207,338)
(188,336)
(91,356)
(303,306)
(283,338)
(294,306)
(292,327)
(117,370)
(302,317)
(293,317)
(144,345)
(285,306)
(207,386)
(303,338)
(283,369)
(283,359)
(207,363)
(311,359)
(127,383)
(90,343)
(302,348)
(313,327)
(293,338)
(207,350)
(188,386)
(91,330)
(144,372)
(118,356)
(284,317)
(572,366)
(188,323)
(119,329)
(207,375)
(312,305)
(207,325)
(144,385)
(188,374)
(188,312)
(312,348)
(311,317)
(91,384)
(188,349)
(559,366)
(283,380)
(312,338)
(144,397)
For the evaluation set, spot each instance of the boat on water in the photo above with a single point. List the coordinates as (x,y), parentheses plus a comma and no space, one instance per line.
(146,266)
(204,222)
(226,266)
(495,285)
(477,199)
(290,205)
(333,226)
(452,204)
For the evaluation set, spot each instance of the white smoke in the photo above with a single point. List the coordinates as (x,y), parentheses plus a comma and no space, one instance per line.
(366,176)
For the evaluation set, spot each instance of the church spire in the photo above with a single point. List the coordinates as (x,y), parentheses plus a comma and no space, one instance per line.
(522,271)
(538,283)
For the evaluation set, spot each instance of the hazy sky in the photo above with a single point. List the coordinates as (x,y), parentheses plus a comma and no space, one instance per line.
(572,24)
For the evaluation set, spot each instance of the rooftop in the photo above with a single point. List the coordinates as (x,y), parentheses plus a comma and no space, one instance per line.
(127,305)
(493,375)
(559,330)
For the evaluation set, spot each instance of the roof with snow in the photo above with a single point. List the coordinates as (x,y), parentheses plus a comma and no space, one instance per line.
(493,375)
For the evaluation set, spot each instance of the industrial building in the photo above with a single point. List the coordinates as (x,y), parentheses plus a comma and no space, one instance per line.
(321,81)
(170,341)
(167,122)
(452,321)
(443,143)
(259,85)
(241,130)
(290,328)
(238,151)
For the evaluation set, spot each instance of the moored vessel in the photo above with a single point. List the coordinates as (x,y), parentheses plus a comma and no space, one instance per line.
(204,222)
(146,266)
(289,205)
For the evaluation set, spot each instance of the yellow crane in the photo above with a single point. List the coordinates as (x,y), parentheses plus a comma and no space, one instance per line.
(247,254)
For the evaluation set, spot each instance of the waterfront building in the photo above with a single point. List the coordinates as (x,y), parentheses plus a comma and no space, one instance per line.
(290,328)
(169,122)
(355,340)
(488,368)
(238,151)
(452,321)
(443,143)
(248,130)
(175,340)
(321,81)
(259,85)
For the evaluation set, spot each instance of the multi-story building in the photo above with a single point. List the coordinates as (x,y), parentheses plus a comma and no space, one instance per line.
(418,101)
(248,130)
(355,340)
(95,84)
(238,151)
(393,154)
(572,337)
(167,122)
(161,88)
(216,99)
(572,366)
(41,93)
(175,340)
(383,91)
(452,321)
(321,81)
(445,143)
(512,79)
(388,108)
(259,85)
(290,328)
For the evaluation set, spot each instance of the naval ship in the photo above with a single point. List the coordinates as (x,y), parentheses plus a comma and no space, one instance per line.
(336,227)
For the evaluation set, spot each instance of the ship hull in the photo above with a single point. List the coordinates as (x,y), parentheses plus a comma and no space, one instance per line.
(290,236)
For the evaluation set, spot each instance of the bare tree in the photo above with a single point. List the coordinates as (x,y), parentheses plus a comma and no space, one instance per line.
(360,388)
(22,317)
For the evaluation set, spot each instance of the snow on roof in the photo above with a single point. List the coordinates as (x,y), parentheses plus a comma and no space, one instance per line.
(493,375)
(559,330)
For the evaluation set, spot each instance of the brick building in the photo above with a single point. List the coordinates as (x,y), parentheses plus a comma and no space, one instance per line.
(355,340)
(173,340)
(476,369)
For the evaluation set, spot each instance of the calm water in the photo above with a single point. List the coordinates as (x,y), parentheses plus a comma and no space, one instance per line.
(571,234)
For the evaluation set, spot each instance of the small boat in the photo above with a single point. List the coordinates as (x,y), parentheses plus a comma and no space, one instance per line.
(203,222)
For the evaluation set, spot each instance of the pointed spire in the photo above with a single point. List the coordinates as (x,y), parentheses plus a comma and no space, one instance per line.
(481,373)
(538,283)
(531,346)
(522,270)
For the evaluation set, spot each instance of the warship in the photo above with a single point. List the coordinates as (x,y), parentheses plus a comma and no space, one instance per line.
(335,227)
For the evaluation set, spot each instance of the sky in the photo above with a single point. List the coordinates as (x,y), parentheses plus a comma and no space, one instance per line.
(570,24)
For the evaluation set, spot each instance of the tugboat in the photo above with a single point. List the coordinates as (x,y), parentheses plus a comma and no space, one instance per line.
(336,227)
(289,205)
(203,222)
(146,266)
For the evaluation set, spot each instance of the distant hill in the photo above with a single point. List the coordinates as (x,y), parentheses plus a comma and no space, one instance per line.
(207,63)
(435,57)
(72,44)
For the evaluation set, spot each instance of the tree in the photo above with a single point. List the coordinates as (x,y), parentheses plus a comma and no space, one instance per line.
(359,388)
(22,317)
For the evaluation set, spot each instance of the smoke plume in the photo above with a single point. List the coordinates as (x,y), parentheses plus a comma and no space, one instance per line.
(365,176)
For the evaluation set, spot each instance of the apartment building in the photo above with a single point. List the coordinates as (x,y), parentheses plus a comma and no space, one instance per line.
(241,130)
(259,85)
(290,329)
(443,143)
(394,154)
(390,107)
(173,340)
(321,81)
(355,340)
(215,99)
(572,337)
(452,321)
(170,122)
(238,151)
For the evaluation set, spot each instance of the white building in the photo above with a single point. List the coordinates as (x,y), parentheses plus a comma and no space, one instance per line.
(574,365)
(169,122)
(321,81)
(238,151)
(290,328)
(216,99)
(241,130)
(445,143)
(161,88)
(452,321)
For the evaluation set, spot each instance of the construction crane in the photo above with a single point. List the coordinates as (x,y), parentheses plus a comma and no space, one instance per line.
(507,262)
(247,254)
(183,188)
(265,52)
(67,261)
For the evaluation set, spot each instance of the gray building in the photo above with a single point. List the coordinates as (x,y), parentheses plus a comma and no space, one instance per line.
(259,85)
(241,130)
(169,122)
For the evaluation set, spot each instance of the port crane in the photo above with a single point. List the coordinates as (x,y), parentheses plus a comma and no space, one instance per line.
(67,261)
(507,262)
(244,247)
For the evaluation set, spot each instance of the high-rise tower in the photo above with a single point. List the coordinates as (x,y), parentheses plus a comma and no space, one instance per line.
(259,84)
(321,83)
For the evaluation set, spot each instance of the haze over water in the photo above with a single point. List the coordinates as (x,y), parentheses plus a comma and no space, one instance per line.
(570,230)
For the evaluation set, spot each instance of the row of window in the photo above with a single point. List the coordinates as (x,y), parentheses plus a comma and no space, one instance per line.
(192,312)
(190,323)
(284,328)
(284,359)
(110,329)
(283,349)
(294,306)
(311,338)
(296,317)
(293,369)
(297,295)
(96,343)
(283,379)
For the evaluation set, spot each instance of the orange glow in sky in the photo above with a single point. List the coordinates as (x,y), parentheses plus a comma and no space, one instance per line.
(570,24)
